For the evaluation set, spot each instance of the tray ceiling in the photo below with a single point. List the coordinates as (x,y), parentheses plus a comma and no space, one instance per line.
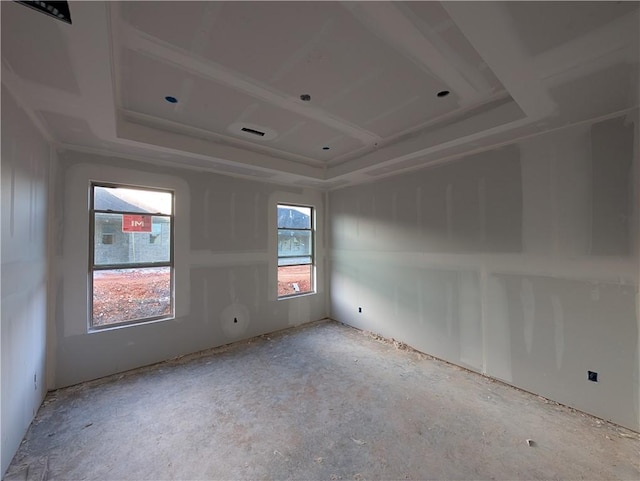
(316,93)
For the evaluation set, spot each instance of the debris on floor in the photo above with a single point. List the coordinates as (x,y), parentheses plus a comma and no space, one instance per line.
(302,393)
(401,346)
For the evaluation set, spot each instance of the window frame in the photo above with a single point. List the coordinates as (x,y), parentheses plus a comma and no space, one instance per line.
(138,265)
(312,254)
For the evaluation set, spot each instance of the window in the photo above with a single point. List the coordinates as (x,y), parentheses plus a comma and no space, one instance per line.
(295,250)
(131,276)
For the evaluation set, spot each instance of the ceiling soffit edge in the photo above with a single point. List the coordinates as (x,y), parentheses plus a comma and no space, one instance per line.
(215,138)
(136,132)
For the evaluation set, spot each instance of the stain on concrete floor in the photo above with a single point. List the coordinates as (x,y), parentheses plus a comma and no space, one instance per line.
(323,401)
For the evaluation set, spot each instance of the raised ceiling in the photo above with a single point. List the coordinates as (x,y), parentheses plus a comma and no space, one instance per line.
(317,93)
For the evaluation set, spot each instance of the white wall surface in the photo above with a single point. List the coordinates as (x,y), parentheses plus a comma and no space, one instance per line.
(520,262)
(23,313)
(225,267)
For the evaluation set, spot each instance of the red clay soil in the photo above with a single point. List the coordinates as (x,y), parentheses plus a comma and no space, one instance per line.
(128,295)
(287,276)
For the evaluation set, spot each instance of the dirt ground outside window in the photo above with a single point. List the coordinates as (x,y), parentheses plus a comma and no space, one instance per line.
(289,275)
(130,294)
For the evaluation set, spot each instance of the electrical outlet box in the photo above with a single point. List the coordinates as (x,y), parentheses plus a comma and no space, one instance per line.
(593,376)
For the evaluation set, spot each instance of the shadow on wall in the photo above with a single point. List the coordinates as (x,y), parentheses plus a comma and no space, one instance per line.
(518,262)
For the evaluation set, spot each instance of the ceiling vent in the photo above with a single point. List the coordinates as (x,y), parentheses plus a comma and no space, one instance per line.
(59,10)
(252,131)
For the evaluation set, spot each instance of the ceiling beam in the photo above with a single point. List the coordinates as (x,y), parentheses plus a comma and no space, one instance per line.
(489,28)
(90,52)
(387,21)
(612,43)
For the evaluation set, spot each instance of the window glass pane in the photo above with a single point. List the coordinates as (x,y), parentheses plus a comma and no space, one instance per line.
(294,217)
(122,295)
(290,261)
(131,239)
(294,280)
(294,243)
(124,199)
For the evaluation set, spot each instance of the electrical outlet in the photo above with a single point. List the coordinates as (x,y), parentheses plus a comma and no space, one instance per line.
(593,376)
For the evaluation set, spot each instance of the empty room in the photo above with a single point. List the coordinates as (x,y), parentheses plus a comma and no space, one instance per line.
(320,240)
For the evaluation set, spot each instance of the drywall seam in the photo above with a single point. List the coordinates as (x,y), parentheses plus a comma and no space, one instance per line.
(53,272)
(558,320)
(635,236)
(205,214)
(611,270)
(326,261)
(484,306)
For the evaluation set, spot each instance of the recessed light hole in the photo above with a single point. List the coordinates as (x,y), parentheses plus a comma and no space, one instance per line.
(171,100)
(443,93)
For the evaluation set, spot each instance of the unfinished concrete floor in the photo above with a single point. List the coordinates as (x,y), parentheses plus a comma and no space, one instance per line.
(323,401)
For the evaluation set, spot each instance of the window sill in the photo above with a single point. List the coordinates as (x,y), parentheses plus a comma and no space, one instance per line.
(295,296)
(123,325)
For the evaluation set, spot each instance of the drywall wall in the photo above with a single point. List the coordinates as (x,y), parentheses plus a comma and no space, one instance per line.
(225,267)
(520,262)
(23,313)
